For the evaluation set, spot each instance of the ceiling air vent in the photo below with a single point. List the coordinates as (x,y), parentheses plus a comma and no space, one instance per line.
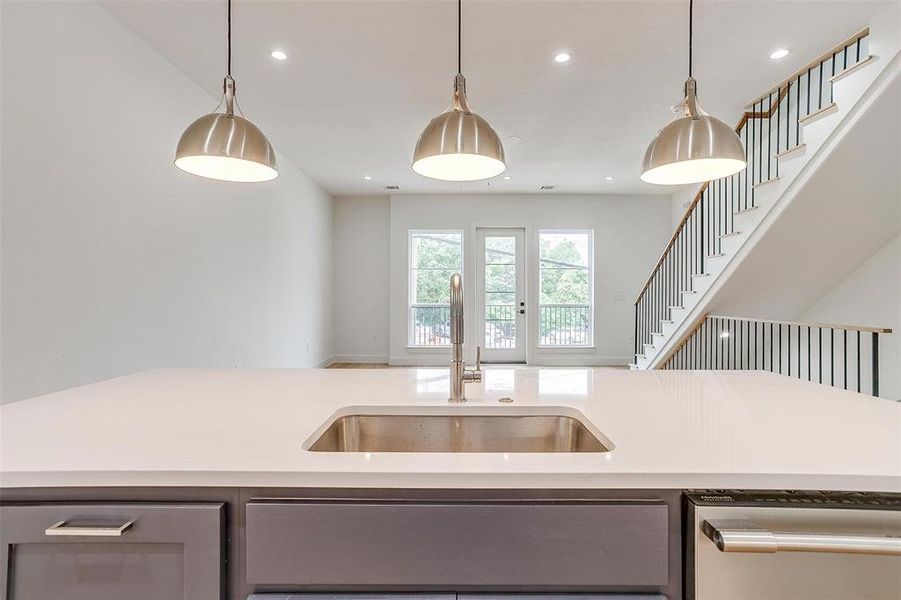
(392,187)
(548,187)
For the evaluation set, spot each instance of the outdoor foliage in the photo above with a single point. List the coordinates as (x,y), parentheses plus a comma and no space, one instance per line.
(563,280)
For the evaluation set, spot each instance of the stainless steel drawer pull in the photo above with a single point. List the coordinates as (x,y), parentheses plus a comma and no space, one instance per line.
(746,536)
(81,531)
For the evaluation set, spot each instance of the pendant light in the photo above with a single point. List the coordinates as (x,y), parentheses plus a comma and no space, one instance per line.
(694,147)
(459,145)
(224,145)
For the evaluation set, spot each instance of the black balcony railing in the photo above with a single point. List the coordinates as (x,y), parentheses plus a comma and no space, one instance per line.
(500,326)
(430,325)
(564,325)
(842,356)
(770,126)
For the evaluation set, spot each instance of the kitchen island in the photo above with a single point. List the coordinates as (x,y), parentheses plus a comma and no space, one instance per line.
(217,464)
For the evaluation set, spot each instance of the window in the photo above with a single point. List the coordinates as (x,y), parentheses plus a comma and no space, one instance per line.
(434,257)
(565,294)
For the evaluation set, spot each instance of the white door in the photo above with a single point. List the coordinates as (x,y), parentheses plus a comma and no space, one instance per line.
(501,298)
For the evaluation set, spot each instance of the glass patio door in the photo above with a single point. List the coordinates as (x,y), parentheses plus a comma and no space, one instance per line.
(500,299)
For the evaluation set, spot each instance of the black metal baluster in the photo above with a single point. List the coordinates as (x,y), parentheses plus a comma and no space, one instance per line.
(858,331)
(788,362)
(875,359)
(778,117)
(845,357)
(820,352)
(809,357)
(780,348)
(769,135)
(798,112)
(833,75)
(820,94)
(808,92)
(832,357)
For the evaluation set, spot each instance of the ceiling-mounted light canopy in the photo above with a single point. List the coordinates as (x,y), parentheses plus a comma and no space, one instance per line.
(226,146)
(694,147)
(459,145)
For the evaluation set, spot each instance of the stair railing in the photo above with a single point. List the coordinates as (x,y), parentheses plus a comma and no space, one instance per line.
(769,128)
(845,356)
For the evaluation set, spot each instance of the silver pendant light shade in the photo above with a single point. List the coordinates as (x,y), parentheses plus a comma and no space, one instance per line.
(459,145)
(694,147)
(226,146)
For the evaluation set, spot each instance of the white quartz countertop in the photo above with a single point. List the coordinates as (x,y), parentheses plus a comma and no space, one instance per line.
(671,429)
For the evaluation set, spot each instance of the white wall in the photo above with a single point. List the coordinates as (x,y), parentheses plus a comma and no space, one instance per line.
(113,261)
(362,234)
(870,296)
(629,235)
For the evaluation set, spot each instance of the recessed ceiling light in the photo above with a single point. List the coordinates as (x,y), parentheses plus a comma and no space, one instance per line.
(278,55)
(506,177)
(562,57)
(367,177)
(609,178)
(780,53)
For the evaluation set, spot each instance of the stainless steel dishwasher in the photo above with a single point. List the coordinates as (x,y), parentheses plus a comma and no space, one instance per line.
(792,546)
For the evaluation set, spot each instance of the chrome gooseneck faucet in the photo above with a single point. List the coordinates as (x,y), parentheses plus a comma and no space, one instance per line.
(459,375)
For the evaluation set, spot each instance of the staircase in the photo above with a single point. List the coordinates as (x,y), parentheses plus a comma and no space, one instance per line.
(787,131)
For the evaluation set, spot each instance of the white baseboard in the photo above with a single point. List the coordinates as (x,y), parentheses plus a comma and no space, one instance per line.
(360,358)
(564,360)
(419,360)
(324,363)
(545,360)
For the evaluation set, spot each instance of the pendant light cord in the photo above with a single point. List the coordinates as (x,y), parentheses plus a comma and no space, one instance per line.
(690,33)
(459,36)
(229,29)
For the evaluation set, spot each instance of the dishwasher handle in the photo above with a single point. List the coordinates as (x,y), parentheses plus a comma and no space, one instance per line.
(747,536)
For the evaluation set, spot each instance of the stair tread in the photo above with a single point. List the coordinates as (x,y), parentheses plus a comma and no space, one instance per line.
(858,65)
(715,255)
(728,235)
(763,183)
(820,112)
(745,210)
(791,150)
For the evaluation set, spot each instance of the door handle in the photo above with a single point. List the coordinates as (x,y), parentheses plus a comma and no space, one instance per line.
(746,536)
(61,528)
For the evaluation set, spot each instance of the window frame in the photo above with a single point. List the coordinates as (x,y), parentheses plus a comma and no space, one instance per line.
(590,338)
(411,285)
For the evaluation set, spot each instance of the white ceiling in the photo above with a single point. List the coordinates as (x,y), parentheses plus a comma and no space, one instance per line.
(363,77)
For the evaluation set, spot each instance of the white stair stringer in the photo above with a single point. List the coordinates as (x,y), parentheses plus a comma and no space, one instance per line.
(852,94)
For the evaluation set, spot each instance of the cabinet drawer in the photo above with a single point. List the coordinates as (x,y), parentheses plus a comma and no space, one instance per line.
(106,551)
(358,543)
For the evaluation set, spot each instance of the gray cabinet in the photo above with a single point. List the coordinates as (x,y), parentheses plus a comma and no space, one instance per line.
(399,545)
(112,551)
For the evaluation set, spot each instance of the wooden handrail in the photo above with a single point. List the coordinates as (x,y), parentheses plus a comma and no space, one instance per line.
(812,64)
(803,324)
(782,88)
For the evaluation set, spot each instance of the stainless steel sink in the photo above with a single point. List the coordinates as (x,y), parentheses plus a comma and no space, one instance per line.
(451,431)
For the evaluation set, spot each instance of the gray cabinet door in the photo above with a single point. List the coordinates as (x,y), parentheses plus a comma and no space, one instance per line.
(111,551)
